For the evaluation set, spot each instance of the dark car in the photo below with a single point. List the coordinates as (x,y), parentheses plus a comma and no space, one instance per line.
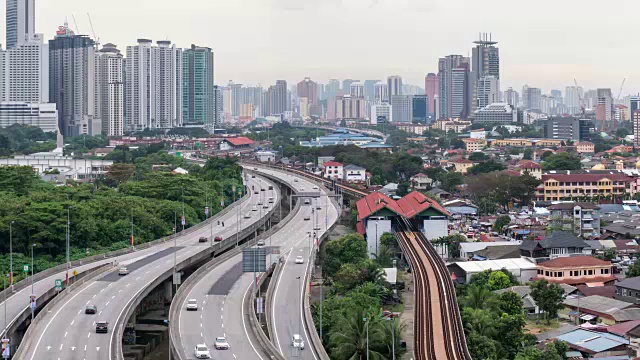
(91,309)
(270,187)
(262,189)
(102,327)
(217,238)
(203,239)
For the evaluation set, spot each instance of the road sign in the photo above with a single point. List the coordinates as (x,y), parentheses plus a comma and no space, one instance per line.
(6,348)
(259,307)
(182,220)
(26,268)
(74,272)
(58,284)
(254,259)
(177,278)
(206,211)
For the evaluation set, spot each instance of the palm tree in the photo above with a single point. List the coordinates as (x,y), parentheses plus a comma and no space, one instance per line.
(479,298)
(349,341)
(384,258)
(479,321)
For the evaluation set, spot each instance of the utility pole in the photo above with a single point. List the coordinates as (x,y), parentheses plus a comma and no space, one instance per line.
(10,256)
(183,219)
(32,293)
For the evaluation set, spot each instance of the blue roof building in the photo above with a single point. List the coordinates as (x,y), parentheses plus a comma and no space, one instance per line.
(593,343)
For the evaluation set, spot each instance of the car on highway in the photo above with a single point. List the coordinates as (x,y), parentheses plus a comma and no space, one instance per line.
(247,216)
(295,179)
(299,259)
(102,327)
(221,343)
(307,201)
(201,351)
(260,202)
(253,176)
(297,342)
(260,243)
(265,206)
(192,305)
(315,187)
(318,207)
(271,200)
(254,208)
(203,239)
(307,217)
(90,309)
(123,271)
(256,192)
(270,187)
(217,238)
(317,227)
(301,189)
(262,189)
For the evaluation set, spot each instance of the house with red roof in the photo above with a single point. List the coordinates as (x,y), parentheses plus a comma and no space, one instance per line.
(421,181)
(333,170)
(235,143)
(533,168)
(577,270)
(571,185)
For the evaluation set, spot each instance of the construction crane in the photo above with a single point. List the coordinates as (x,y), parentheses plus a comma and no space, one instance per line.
(621,86)
(97,39)
(75,23)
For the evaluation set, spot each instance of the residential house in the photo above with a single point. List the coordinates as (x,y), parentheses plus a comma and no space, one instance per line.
(598,309)
(593,186)
(528,303)
(533,168)
(333,170)
(354,173)
(583,219)
(461,165)
(421,181)
(439,193)
(462,271)
(471,250)
(576,270)
(585,147)
(628,290)
(235,143)
(593,344)
(558,244)
(474,144)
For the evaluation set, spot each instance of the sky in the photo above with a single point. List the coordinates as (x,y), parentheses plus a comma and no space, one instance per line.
(543,43)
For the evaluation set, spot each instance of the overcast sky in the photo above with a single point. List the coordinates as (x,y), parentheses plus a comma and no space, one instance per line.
(543,43)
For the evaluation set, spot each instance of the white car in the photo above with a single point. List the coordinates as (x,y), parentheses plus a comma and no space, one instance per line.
(299,260)
(307,217)
(247,216)
(221,343)
(123,271)
(192,304)
(201,351)
(255,208)
(297,342)
(295,179)
(315,187)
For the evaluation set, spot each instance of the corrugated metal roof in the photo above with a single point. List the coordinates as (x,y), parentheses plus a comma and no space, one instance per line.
(509,264)
(593,341)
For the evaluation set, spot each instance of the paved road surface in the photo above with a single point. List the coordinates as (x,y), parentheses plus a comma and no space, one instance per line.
(67,333)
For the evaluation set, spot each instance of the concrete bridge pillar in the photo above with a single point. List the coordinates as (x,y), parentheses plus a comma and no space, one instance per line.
(168,290)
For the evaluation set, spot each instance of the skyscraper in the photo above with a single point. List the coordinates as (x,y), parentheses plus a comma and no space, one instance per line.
(531,98)
(455,87)
(431,89)
(381,91)
(394,85)
(604,107)
(277,98)
(401,107)
(71,82)
(308,89)
(198,97)
(346,85)
(512,97)
(235,98)
(218,108)
(20,21)
(369,89)
(357,89)
(420,109)
(486,57)
(488,91)
(572,96)
(350,107)
(154,85)
(109,92)
(27,71)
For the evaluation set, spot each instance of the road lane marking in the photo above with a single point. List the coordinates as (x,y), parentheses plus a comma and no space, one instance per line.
(85,348)
(107,303)
(72,321)
(79,311)
(61,346)
(244,325)
(65,333)
(88,335)
(100,313)
(54,316)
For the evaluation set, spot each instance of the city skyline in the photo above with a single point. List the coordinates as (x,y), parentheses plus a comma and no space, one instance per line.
(257,41)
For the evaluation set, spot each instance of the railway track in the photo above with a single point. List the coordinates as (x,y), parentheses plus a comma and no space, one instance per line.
(437,325)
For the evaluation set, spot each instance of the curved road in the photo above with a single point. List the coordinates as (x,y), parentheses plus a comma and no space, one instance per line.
(221,292)
(67,333)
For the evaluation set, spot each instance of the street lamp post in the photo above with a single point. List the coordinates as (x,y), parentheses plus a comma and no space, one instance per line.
(32,293)
(366,324)
(300,304)
(393,339)
(11,255)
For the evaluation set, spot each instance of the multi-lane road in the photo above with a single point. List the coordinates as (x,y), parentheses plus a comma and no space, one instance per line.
(66,332)
(221,292)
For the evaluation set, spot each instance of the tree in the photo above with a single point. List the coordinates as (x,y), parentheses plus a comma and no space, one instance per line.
(486,167)
(634,270)
(528,154)
(548,297)
(546,154)
(348,249)
(350,339)
(498,280)
(478,156)
(451,180)
(119,173)
(510,303)
(479,298)
(609,254)
(562,161)
(501,222)
(481,347)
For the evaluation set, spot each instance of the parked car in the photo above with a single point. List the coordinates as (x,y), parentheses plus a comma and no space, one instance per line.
(102,327)
(221,343)
(91,309)
(123,271)
(315,187)
(192,305)
(203,239)
(297,342)
(270,187)
(201,351)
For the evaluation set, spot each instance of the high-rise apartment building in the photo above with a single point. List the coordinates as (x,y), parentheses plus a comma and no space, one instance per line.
(455,87)
(394,85)
(531,98)
(71,82)
(431,89)
(235,98)
(488,91)
(634,104)
(420,109)
(26,71)
(604,105)
(308,89)
(635,117)
(381,113)
(572,96)
(512,97)
(20,21)
(109,90)
(349,107)
(401,106)
(218,107)
(369,90)
(346,85)
(198,97)
(277,99)
(381,93)
(154,85)
(357,89)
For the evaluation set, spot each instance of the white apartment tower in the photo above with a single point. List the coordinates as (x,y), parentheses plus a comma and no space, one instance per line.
(488,91)
(20,21)
(26,70)
(109,93)
(153,86)
(381,93)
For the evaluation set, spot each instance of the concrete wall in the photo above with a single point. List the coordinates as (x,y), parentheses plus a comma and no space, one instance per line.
(373,235)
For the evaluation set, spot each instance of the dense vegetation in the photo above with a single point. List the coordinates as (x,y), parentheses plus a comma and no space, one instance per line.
(357,292)
(20,139)
(101,213)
